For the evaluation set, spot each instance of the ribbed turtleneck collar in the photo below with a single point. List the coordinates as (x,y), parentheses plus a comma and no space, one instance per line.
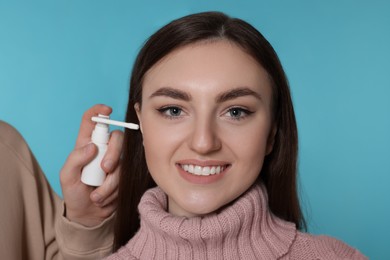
(246,229)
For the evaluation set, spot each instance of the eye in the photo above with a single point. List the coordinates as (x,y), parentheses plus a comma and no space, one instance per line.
(238,113)
(170,111)
(235,112)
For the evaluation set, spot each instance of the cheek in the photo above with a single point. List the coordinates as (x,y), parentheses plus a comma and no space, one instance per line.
(250,145)
(160,143)
(255,144)
(154,143)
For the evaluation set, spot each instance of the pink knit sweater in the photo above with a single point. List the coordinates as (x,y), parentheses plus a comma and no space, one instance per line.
(244,230)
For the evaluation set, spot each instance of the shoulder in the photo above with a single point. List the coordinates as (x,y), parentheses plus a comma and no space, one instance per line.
(307,246)
(13,148)
(8,132)
(11,138)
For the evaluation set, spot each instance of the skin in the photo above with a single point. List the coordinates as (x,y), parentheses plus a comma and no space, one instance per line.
(206,104)
(84,204)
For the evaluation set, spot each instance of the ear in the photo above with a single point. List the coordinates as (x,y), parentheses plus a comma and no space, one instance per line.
(271,140)
(137,108)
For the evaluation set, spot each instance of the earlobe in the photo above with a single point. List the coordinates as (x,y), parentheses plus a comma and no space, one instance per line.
(137,109)
(271,140)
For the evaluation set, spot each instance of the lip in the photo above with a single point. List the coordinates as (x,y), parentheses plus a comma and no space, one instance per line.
(203,180)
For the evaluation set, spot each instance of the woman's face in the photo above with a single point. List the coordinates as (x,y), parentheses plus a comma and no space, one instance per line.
(206,124)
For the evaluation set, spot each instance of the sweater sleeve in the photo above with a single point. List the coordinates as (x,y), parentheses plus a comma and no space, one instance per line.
(31,224)
(336,249)
(308,246)
(76,241)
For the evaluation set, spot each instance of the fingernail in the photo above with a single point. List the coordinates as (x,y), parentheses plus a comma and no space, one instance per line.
(96,198)
(108,164)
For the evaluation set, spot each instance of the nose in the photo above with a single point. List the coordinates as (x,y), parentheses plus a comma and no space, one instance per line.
(205,137)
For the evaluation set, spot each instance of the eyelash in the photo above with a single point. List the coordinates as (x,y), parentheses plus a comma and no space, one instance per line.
(241,110)
(163,111)
(169,109)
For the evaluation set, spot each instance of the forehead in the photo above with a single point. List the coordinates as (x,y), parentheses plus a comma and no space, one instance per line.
(207,66)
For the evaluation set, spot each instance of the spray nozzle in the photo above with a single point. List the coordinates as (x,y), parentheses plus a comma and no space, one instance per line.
(102,119)
(101,124)
(101,133)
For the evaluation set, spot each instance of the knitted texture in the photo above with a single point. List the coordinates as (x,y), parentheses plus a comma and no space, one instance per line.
(246,229)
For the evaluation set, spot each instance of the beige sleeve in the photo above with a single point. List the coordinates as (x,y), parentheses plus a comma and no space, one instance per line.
(32,225)
(80,242)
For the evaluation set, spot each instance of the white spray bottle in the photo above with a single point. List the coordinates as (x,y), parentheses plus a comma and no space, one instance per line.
(93,174)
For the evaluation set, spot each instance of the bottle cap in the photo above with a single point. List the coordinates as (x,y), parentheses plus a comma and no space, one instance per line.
(101,133)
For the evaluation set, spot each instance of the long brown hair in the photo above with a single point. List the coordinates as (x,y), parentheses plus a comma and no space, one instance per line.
(279,172)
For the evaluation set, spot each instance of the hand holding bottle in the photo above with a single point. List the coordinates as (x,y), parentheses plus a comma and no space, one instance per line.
(85,204)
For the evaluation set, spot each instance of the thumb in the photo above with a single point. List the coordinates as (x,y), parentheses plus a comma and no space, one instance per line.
(77,159)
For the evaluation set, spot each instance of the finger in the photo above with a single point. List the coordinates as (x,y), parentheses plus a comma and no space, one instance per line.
(110,185)
(114,150)
(107,210)
(78,158)
(112,199)
(109,200)
(87,125)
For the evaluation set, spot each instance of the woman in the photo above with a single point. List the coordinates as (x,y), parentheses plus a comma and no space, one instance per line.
(219,140)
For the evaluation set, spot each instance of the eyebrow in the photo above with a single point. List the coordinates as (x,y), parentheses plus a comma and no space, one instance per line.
(236,93)
(223,97)
(172,93)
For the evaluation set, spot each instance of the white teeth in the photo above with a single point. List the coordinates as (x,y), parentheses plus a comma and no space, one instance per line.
(199,170)
(206,171)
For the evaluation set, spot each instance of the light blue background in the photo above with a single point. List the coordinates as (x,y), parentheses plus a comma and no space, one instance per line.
(58,58)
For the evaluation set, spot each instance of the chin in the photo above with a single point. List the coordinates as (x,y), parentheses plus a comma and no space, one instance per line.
(201,209)
(186,208)
(200,212)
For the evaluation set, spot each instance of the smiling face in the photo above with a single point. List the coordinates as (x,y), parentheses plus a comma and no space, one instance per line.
(206,121)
